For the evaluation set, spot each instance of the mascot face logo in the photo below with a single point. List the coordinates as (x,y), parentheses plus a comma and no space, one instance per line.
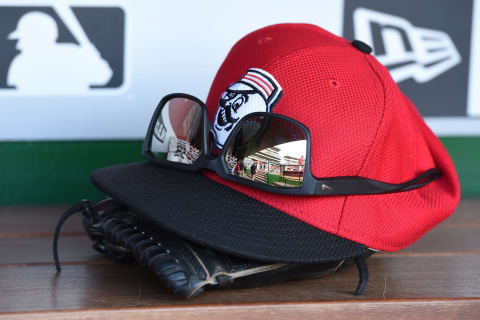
(229,109)
(256,91)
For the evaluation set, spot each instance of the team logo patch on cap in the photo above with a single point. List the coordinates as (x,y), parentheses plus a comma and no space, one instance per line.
(256,91)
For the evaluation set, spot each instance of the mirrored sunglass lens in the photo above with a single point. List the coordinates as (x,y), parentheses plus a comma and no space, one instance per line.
(177,132)
(268,150)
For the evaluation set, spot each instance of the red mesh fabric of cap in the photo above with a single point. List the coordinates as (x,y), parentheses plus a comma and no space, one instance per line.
(360,125)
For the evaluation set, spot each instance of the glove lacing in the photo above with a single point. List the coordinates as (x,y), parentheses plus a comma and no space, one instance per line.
(84,206)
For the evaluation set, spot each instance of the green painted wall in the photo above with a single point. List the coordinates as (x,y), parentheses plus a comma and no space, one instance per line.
(465,153)
(58,172)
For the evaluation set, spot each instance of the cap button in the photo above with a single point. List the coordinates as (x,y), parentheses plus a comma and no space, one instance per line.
(362,46)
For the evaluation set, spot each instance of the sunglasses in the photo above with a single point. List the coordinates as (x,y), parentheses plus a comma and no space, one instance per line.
(263,150)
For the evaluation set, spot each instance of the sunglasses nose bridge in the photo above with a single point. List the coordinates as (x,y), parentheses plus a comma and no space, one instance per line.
(211,142)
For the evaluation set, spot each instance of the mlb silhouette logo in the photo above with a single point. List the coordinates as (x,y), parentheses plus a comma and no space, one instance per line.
(424,44)
(58,48)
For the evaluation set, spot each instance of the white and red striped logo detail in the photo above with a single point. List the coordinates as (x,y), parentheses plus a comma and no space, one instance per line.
(258,81)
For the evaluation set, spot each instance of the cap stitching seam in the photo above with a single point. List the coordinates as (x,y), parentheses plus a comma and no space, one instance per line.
(341,215)
(373,140)
(381,118)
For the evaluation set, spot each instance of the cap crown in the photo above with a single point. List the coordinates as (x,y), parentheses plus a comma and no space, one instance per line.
(360,125)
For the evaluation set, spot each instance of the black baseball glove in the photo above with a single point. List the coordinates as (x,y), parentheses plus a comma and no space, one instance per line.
(185,267)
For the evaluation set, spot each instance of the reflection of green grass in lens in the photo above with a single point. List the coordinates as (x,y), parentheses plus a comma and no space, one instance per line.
(293,182)
(278,180)
(272,178)
(161,155)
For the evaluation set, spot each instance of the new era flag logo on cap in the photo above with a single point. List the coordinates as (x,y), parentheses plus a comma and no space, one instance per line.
(256,91)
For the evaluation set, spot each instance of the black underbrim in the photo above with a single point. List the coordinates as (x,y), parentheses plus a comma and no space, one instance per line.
(213,215)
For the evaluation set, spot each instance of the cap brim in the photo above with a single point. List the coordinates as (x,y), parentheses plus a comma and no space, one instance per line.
(211,214)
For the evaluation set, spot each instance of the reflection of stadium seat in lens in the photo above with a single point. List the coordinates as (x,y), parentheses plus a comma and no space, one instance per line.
(182,151)
(293,178)
(177,132)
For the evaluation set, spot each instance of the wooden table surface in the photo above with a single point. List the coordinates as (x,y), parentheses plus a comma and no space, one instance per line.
(437,277)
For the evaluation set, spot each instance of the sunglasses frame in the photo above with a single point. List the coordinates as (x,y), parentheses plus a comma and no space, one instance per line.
(344,185)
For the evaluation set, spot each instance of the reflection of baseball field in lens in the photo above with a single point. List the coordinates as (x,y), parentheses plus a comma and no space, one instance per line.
(268,150)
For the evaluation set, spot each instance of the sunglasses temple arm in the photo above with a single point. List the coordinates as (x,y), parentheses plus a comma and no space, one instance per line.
(358,185)
(422,180)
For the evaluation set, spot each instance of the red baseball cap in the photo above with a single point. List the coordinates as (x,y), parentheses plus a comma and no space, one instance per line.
(360,125)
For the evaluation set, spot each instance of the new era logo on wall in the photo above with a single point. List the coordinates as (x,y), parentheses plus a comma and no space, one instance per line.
(424,44)
(61,49)
(408,51)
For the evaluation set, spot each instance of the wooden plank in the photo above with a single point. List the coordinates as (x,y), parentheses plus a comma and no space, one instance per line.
(35,221)
(35,251)
(467,215)
(441,270)
(408,310)
(113,286)
(78,249)
(459,235)
(42,219)
(446,241)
